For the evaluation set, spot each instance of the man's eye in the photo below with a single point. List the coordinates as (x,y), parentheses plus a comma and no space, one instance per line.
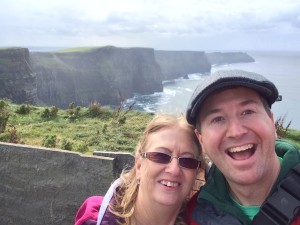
(247,112)
(217,119)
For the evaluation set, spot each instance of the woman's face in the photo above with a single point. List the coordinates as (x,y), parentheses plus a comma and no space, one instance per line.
(166,184)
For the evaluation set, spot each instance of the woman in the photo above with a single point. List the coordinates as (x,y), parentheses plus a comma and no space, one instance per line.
(156,189)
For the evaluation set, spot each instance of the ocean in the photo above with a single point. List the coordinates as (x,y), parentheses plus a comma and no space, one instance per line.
(282,68)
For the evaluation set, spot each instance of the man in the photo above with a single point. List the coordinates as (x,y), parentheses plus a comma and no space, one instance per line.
(231,111)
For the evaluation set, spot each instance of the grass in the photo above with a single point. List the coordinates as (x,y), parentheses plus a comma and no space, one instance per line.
(283,131)
(79,49)
(294,137)
(110,130)
(87,129)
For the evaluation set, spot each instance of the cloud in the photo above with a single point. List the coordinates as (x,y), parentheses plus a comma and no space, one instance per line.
(148,22)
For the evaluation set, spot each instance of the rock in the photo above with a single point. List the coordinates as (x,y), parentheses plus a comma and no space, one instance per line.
(175,64)
(106,75)
(17,79)
(219,58)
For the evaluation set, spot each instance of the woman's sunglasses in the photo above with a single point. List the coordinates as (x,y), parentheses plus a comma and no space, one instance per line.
(163,158)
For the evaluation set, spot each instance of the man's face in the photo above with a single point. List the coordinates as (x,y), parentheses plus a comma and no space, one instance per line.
(238,135)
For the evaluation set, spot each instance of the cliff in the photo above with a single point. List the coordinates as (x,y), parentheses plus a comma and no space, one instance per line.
(219,58)
(106,75)
(176,64)
(17,80)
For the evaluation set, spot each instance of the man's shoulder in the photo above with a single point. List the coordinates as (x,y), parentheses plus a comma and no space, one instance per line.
(284,145)
(203,212)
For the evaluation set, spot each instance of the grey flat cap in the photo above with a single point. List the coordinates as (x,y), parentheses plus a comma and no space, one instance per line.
(224,79)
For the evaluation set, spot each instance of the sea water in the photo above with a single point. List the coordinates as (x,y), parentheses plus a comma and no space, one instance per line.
(283,68)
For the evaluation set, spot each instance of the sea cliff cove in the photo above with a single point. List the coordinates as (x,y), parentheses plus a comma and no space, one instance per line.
(106,75)
(68,138)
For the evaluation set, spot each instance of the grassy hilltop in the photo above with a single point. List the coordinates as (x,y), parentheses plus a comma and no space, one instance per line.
(77,128)
(83,129)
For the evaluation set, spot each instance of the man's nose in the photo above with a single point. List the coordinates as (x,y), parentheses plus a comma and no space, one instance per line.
(235,128)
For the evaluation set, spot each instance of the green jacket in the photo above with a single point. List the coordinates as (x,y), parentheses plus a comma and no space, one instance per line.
(214,205)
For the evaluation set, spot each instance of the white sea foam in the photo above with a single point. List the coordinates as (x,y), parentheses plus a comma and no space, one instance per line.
(281,69)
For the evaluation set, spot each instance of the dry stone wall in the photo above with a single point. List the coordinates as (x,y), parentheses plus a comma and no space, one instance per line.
(47,186)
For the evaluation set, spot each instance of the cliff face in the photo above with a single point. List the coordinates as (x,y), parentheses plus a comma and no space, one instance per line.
(106,75)
(176,64)
(219,58)
(17,80)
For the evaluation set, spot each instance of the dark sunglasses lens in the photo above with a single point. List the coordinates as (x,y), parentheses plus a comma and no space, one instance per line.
(189,163)
(159,157)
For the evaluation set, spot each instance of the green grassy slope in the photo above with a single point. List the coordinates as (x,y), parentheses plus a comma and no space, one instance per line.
(81,129)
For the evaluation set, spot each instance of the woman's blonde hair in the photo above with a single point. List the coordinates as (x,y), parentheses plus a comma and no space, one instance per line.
(125,195)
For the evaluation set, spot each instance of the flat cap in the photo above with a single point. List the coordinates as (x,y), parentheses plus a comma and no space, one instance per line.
(224,79)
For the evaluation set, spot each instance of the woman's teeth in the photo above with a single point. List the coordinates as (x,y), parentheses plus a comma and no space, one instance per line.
(169,183)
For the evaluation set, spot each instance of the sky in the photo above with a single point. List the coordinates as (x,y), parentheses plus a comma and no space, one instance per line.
(200,25)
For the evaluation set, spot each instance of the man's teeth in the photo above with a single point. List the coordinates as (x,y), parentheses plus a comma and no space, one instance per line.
(169,183)
(241,148)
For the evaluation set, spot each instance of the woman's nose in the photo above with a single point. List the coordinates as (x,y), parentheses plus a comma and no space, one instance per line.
(173,166)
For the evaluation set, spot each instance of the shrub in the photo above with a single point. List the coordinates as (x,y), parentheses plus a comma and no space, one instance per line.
(73,112)
(95,109)
(66,145)
(49,141)
(104,129)
(53,111)
(49,113)
(122,120)
(80,147)
(13,135)
(46,113)
(4,115)
(4,137)
(120,113)
(281,129)
(72,105)
(23,109)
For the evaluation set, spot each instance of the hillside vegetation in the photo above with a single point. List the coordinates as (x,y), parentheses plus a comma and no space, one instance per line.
(77,128)
(84,129)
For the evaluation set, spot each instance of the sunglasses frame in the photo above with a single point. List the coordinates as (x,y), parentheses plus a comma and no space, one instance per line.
(148,154)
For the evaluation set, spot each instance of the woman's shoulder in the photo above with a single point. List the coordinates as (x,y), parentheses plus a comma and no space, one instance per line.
(87,214)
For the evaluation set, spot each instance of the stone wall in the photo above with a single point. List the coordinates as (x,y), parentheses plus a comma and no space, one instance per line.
(47,186)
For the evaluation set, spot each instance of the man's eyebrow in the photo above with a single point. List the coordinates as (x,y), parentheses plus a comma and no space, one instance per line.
(209,112)
(216,110)
(248,102)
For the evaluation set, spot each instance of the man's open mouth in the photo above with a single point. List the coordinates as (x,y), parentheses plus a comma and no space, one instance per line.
(242,152)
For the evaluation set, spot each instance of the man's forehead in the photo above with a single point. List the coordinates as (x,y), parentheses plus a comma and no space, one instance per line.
(242,96)
(226,79)
(233,91)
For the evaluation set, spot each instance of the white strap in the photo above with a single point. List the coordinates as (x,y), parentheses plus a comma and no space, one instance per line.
(107,199)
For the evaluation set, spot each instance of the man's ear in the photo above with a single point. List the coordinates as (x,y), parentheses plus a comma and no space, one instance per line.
(199,136)
(272,118)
